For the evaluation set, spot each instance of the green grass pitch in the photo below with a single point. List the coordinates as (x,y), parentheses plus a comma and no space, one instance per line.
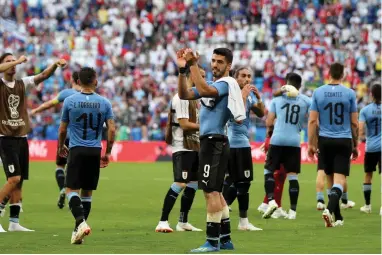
(127,205)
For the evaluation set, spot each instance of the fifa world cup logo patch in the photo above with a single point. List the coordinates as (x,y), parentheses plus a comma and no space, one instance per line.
(13,103)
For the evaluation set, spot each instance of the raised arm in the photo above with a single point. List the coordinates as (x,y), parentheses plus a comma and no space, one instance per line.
(259,107)
(184,92)
(202,87)
(287,90)
(45,106)
(49,71)
(6,65)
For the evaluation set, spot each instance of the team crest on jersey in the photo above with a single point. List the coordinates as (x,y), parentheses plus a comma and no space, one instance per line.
(184,175)
(250,99)
(247,173)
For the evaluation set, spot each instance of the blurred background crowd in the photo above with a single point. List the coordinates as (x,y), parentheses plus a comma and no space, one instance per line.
(132,45)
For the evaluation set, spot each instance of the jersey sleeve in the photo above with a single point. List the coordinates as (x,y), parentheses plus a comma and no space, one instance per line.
(61,96)
(362,115)
(181,108)
(65,111)
(109,111)
(313,105)
(28,81)
(222,88)
(353,102)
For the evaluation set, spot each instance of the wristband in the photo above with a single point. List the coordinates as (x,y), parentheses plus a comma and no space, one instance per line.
(182,70)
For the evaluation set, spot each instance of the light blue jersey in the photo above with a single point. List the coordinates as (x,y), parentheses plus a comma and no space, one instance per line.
(335,104)
(238,133)
(86,114)
(371,115)
(65,93)
(214,112)
(290,113)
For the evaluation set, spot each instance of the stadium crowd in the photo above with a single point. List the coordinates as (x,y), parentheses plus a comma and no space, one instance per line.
(133,43)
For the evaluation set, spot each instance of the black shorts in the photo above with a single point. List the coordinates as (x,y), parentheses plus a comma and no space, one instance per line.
(334,155)
(185,166)
(60,161)
(240,166)
(288,156)
(14,152)
(82,171)
(372,159)
(213,162)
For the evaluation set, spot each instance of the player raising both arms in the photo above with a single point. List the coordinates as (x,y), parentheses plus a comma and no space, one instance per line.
(60,161)
(84,114)
(334,111)
(370,116)
(14,127)
(240,167)
(285,149)
(220,100)
(182,134)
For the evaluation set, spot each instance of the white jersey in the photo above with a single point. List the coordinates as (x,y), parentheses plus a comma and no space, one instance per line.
(181,112)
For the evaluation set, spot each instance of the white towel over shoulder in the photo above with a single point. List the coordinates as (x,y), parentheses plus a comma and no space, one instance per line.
(235,100)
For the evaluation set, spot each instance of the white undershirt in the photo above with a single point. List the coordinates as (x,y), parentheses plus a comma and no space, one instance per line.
(28,81)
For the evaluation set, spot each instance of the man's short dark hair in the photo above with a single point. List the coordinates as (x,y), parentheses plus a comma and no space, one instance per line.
(227,53)
(294,80)
(75,77)
(336,71)
(87,75)
(2,57)
(376,92)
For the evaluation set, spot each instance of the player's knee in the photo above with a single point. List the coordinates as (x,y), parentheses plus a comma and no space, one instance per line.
(369,175)
(177,187)
(340,179)
(14,180)
(210,195)
(193,185)
(321,175)
(243,188)
(86,193)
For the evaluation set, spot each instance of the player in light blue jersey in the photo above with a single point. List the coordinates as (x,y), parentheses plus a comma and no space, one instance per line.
(290,113)
(334,110)
(60,161)
(84,114)
(240,166)
(370,117)
(214,144)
